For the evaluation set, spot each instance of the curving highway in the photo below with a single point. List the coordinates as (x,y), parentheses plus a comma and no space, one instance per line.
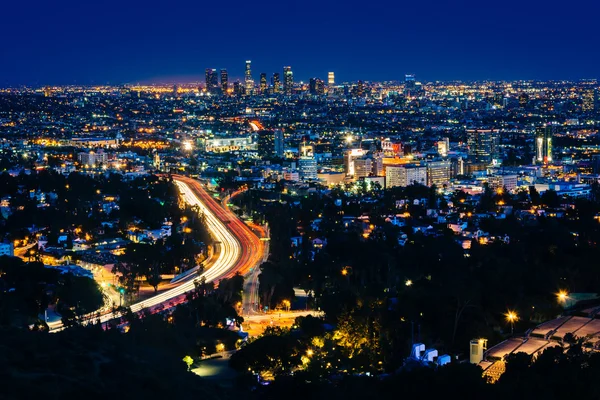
(240,249)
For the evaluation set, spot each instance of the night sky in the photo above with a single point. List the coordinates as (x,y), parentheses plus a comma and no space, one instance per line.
(128,41)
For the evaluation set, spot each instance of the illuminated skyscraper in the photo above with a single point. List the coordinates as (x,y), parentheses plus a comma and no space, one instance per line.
(270,143)
(276,82)
(331,79)
(248,81)
(288,80)
(483,144)
(439,172)
(543,143)
(410,84)
(316,86)
(224,81)
(263,83)
(308,168)
(212,81)
(238,89)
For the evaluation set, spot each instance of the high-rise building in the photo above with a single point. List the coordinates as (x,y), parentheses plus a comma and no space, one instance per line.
(405,175)
(224,81)
(248,81)
(270,143)
(276,83)
(238,89)
(370,165)
(410,84)
(288,80)
(349,157)
(483,144)
(331,79)
(587,100)
(175,89)
(320,87)
(439,172)
(212,80)
(543,143)
(316,86)
(263,83)
(308,168)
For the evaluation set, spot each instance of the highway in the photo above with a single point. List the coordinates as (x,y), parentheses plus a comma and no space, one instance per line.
(240,249)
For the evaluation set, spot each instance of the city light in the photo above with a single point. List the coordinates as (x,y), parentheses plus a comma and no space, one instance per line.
(562,296)
(511,317)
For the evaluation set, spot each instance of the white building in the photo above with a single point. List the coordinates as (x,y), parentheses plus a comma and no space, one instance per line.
(405,175)
(92,158)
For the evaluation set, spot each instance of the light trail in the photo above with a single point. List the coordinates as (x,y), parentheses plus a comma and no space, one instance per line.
(240,249)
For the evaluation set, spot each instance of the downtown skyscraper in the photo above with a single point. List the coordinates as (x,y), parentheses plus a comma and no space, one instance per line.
(248,81)
(212,80)
(288,80)
(224,81)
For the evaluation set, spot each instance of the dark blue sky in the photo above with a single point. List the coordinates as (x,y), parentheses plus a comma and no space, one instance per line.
(108,41)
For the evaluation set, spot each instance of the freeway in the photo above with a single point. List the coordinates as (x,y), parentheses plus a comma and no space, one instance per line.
(239,249)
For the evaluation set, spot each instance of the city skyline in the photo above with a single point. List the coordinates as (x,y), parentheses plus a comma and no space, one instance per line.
(73,43)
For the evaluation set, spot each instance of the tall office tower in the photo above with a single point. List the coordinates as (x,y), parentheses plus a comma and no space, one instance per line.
(175,89)
(224,81)
(587,100)
(405,175)
(308,167)
(523,100)
(331,79)
(212,80)
(288,80)
(320,87)
(270,143)
(312,86)
(439,172)
(410,84)
(360,88)
(248,82)
(543,143)
(483,144)
(263,83)
(238,89)
(276,83)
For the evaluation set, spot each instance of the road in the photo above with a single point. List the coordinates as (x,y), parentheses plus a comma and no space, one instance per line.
(240,249)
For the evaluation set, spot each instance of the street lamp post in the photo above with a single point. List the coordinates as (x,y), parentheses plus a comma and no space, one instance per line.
(511,317)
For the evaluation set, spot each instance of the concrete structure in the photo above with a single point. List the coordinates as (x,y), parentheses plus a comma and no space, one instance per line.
(92,158)
(308,168)
(439,172)
(405,175)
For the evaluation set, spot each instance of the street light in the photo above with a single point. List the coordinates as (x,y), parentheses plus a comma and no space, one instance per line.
(562,296)
(511,317)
